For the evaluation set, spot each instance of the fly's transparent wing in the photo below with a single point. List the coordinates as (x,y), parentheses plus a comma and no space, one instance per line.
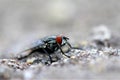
(38,44)
(35,45)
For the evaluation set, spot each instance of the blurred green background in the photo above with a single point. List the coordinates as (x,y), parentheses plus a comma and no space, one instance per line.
(22,21)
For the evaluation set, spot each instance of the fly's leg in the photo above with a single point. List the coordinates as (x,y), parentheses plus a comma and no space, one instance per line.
(62,50)
(71,47)
(50,58)
(69,44)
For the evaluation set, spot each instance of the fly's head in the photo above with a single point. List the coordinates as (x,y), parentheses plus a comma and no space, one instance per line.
(62,40)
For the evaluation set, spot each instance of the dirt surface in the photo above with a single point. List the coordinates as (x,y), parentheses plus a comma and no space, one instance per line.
(96,59)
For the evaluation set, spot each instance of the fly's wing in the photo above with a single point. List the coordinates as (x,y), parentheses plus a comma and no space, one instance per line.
(41,43)
(35,45)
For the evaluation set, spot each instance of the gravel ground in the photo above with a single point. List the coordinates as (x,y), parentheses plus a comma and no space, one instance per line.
(96,59)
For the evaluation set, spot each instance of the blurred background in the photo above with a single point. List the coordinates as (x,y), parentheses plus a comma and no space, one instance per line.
(23,21)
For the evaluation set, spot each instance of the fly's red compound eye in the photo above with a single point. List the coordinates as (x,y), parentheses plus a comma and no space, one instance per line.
(59,39)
